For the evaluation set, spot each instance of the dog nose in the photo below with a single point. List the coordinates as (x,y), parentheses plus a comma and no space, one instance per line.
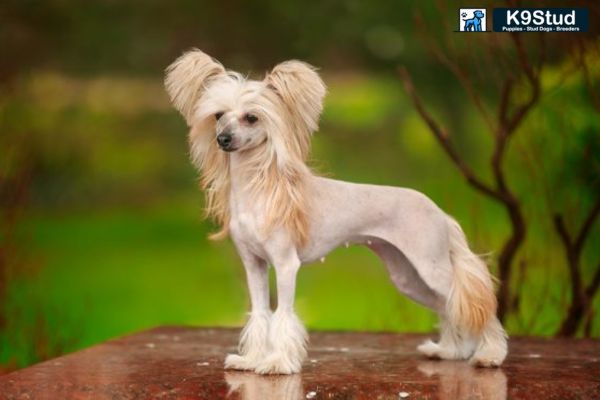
(224,140)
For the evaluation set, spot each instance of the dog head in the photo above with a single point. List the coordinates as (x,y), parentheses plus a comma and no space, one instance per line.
(267,123)
(478,14)
(281,111)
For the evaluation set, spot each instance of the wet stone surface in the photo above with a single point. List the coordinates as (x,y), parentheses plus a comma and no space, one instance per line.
(187,363)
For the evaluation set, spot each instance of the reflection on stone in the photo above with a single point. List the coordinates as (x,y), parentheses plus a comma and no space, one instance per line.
(251,386)
(458,380)
(376,366)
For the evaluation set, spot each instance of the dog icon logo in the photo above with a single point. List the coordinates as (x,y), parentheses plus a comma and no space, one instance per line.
(472,20)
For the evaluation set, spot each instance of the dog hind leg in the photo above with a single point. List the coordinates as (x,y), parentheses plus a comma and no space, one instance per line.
(452,344)
(469,328)
(471,306)
(455,343)
(492,347)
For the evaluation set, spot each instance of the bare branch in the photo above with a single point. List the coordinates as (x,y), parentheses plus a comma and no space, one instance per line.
(442,137)
(582,297)
(562,231)
(467,85)
(460,74)
(522,111)
(505,100)
(577,245)
(587,225)
(594,284)
(572,260)
(511,123)
(523,58)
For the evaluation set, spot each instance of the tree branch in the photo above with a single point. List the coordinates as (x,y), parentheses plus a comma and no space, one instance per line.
(533,78)
(594,284)
(572,259)
(442,137)
(559,224)
(457,71)
(587,225)
(504,100)
(582,297)
(523,58)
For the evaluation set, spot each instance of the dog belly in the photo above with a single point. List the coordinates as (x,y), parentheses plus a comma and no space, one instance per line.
(402,218)
(316,251)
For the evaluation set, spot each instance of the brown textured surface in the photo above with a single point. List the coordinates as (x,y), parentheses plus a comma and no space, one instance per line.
(186,363)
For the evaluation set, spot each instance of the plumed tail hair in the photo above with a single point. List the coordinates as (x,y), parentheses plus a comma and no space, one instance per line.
(472,302)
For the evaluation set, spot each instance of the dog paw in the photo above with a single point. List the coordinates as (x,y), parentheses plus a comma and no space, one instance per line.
(485,362)
(276,364)
(429,349)
(489,355)
(235,361)
(488,359)
(434,350)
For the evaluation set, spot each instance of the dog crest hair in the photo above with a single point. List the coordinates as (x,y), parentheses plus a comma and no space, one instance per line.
(289,101)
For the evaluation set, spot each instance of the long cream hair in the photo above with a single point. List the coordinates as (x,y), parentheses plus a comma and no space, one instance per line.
(289,101)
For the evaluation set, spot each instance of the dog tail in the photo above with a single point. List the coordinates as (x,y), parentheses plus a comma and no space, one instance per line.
(472,301)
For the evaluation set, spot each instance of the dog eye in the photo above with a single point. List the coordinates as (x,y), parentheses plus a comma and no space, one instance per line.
(250,118)
(218,115)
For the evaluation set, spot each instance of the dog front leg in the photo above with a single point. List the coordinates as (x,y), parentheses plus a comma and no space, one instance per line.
(287,336)
(253,339)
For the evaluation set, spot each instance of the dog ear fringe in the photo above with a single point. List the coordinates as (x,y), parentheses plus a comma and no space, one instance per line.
(302,91)
(213,166)
(186,77)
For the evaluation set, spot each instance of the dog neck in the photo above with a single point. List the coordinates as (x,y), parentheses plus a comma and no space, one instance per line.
(243,167)
(278,192)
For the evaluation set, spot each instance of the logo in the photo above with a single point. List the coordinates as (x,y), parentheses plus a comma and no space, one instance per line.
(472,20)
(541,20)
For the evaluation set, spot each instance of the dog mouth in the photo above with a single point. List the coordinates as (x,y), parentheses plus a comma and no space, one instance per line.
(228,149)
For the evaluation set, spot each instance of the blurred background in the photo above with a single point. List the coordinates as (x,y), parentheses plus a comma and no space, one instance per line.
(101,228)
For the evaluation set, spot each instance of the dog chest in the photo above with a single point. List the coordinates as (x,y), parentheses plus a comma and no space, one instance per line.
(244,227)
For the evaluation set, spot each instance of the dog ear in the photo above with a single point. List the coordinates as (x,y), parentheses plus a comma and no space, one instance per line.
(301,90)
(187,76)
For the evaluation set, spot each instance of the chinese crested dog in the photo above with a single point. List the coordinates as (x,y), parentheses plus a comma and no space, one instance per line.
(250,140)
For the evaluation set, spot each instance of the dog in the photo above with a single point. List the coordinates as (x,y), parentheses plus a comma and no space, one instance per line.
(250,140)
(474,24)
